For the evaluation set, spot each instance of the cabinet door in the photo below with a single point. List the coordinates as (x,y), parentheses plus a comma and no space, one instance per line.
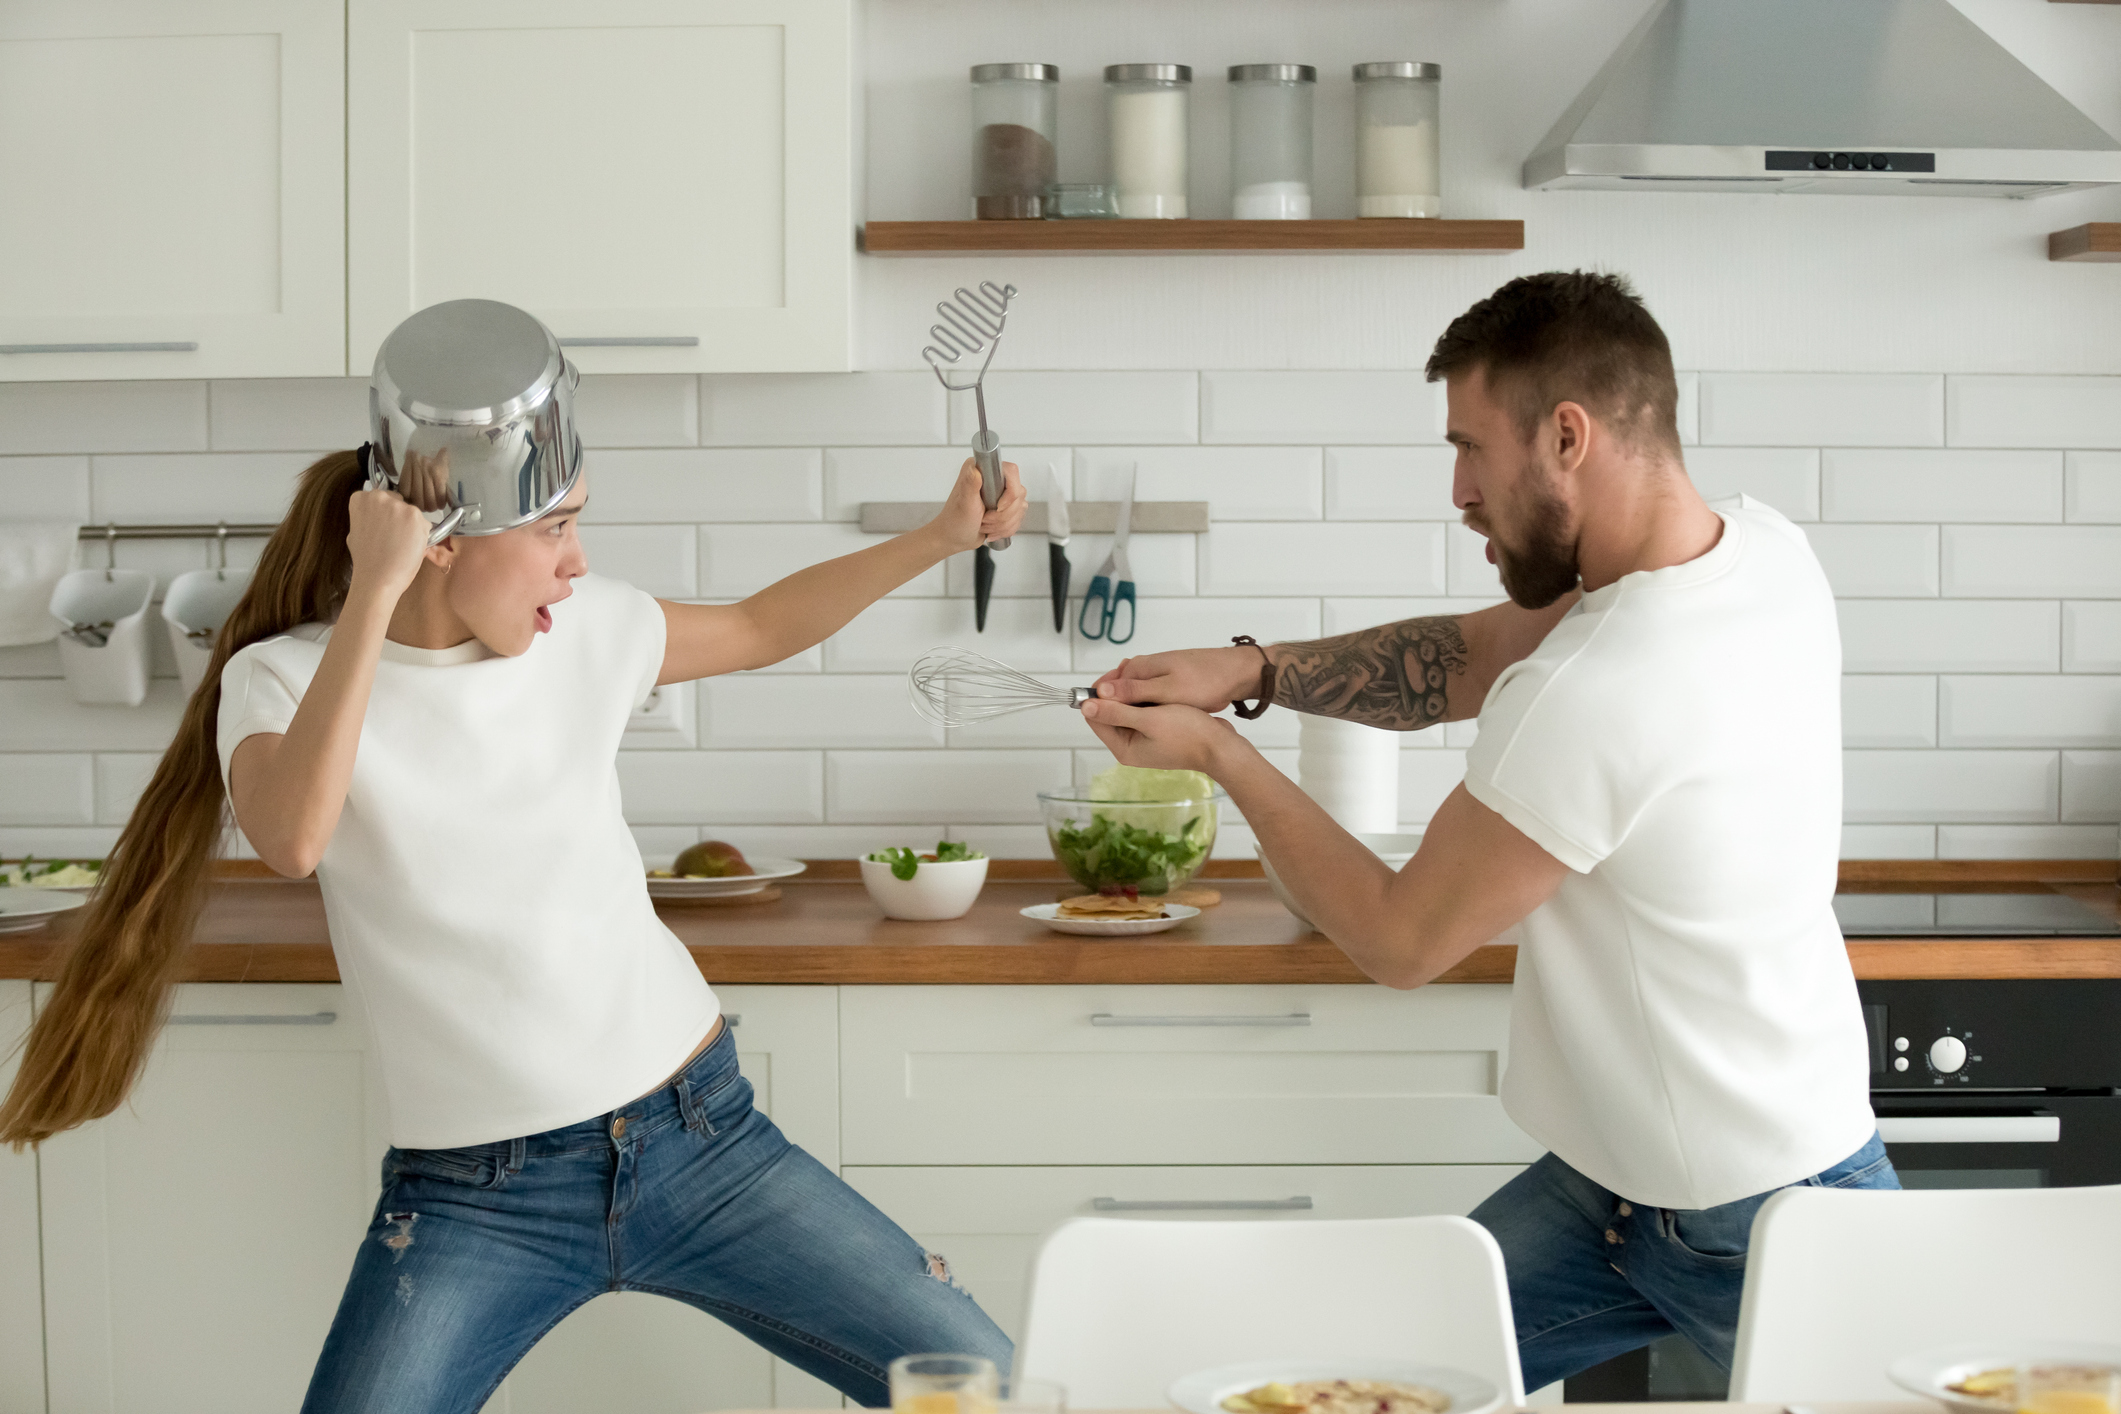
(990,1221)
(197,1240)
(669,180)
(21,1275)
(175,179)
(668,1357)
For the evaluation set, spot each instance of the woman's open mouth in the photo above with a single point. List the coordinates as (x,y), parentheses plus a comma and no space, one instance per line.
(544,619)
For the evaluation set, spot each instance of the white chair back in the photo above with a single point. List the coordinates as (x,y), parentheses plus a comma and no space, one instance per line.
(1839,1284)
(1119,1308)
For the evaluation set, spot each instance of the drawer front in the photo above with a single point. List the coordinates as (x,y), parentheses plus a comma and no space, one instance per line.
(989,1222)
(1175,1075)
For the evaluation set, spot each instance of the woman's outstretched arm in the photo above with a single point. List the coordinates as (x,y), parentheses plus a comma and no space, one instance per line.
(811,605)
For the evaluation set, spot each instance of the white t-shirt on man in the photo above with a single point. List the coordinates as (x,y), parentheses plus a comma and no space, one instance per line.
(1685,1029)
(488,905)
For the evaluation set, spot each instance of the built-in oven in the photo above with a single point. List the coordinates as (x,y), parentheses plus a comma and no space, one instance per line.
(1976,1084)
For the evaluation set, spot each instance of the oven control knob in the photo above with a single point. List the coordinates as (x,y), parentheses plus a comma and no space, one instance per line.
(1947,1054)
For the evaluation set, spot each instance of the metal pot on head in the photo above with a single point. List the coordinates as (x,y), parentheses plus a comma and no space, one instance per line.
(471,415)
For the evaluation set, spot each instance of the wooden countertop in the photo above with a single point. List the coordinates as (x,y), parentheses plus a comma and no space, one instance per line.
(824,931)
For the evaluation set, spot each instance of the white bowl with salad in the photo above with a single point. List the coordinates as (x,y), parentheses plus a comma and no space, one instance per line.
(1134,829)
(925,888)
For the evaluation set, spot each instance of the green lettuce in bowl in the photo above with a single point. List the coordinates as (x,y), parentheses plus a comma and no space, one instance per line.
(1134,830)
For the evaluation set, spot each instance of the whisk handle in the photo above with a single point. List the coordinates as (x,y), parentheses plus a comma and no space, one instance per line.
(987,455)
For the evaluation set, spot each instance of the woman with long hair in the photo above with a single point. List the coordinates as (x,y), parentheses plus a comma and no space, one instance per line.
(433,731)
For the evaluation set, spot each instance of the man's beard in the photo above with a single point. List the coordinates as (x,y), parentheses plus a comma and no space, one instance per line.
(1545,569)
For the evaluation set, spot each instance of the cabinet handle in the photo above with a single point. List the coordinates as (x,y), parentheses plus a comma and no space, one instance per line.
(645,341)
(314,1018)
(1294,1018)
(1298,1204)
(97,348)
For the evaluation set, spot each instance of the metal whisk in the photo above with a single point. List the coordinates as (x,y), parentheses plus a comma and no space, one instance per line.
(955,687)
(973,320)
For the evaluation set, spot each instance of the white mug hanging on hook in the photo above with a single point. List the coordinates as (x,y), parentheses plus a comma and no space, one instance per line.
(197,603)
(104,649)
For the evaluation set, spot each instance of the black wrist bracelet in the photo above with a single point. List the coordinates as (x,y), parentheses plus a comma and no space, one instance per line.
(1259,706)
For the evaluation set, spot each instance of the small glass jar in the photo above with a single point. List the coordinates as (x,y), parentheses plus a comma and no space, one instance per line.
(1013,127)
(1396,139)
(1270,141)
(1145,107)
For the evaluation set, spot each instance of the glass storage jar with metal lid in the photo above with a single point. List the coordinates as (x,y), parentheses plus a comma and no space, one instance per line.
(1396,139)
(1270,141)
(1013,125)
(1145,106)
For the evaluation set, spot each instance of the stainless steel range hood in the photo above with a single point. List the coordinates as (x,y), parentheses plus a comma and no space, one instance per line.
(1889,97)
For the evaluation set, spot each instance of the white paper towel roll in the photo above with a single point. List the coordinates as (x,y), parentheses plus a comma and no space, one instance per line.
(1352,771)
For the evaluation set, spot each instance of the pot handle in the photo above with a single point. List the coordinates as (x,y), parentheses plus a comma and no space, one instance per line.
(449,523)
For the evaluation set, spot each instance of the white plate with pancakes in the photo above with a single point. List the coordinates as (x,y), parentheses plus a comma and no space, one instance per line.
(1174,914)
(765,869)
(1223,1390)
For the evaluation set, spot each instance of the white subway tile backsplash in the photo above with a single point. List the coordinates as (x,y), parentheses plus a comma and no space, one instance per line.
(1786,478)
(1877,561)
(638,410)
(1954,485)
(943,787)
(1317,407)
(145,416)
(733,787)
(1888,841)
(287,414)
(30,660)
(803,710)
(2007,410)
(1238,483)
(1199,623)
(1333,557)
(120,778)
(44,488)
(1960,786)
(1471,576)
(2025,842)
(660,845)
(2032,562)
(47,789)
(1389,483)
(707,484)
(1948,636)
(857,474)
(39,714)
(2080,710)
(210,486)
(822,410)
(737,560)
(57,842)
(1822,409)
(820,841)
(1163,565)
(2094,487)
(2091,638)
(1083,407)
(2091,787)
(1688,411)
(1349,615)
(887,637)
(655,559)
(1888,711)
(1425,778)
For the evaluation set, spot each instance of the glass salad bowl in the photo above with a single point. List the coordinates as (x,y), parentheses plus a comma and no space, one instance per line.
(1151,846)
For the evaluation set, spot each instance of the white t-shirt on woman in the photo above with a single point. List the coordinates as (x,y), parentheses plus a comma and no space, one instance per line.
(1685,1028)
(488,905)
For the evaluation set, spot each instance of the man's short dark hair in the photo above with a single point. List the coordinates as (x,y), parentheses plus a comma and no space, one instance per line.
(1569,336)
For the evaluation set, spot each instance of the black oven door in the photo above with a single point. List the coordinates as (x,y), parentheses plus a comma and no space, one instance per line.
(2001,1141)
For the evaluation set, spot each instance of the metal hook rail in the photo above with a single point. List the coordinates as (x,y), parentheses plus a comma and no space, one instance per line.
(176,532)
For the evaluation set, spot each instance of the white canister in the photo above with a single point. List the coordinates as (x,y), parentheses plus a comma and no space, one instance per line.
(1397,144)
(104,648)
(1145,107)
(197,604)
(1352,771)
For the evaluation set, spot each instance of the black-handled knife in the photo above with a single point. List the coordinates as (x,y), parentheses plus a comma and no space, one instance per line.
(1057,548)
(982,586)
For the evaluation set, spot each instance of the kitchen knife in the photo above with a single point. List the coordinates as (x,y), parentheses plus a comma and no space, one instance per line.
(1057,548)
(982,586)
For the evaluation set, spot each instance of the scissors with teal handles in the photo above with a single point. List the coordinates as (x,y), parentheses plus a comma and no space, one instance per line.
(1113,585)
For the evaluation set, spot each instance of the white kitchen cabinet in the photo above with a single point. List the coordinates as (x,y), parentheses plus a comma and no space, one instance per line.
(672,178)
(21,1269)
(1175,1075)
(197,1240)
(667,1357)
(175,175)
(988,1221)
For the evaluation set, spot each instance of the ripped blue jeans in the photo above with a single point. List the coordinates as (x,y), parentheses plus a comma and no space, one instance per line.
(688,1192)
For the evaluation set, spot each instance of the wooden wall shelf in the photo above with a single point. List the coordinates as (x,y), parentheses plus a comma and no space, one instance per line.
(1186,237)
(2101,240)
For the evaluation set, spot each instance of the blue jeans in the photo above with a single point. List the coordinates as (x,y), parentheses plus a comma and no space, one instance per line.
(688,1192)
(1593,1276)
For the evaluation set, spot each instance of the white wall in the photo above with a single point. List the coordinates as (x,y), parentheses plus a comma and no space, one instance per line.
(1908,376)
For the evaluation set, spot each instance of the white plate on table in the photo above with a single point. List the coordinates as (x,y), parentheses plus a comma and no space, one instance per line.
(1204,1391)
(26,910)
(1930,1372)
(1049,914)
(764,870)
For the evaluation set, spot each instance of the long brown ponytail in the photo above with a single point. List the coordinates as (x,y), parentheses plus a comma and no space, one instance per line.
(92,1038)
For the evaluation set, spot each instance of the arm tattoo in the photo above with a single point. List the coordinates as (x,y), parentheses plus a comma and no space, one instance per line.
(1397,676)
